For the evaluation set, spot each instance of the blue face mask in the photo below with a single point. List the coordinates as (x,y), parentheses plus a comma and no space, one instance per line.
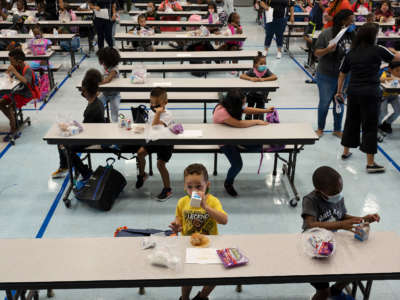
(335,198)
(244,106)
(261,68)
(351,28)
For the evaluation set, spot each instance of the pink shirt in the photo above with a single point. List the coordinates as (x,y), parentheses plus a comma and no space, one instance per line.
(220,115)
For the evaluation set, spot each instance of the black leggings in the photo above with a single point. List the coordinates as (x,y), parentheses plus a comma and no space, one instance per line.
(362,111)
(75,160)
(104,31)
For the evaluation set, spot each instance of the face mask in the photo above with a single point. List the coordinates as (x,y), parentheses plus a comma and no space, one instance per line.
(153,107)
(83,95)
(261,68)
(38,36)
(149,9)
(244,106)
(351,28)
(335,198)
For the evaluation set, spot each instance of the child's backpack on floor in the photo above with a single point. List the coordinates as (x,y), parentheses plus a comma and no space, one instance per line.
(128,232)
(44,86)
(102,188)
(35,88)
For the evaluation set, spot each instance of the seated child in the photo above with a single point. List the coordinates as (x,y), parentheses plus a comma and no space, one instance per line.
(94,113)
(384,14)
(38,46)
(109,59)
(235,28)
(389,98)
(170,5)
(24,93)
(151,13)
(158,115)
(212,14)
(142,28)
(325,208)
(203,219)
(259,73)
(361,7)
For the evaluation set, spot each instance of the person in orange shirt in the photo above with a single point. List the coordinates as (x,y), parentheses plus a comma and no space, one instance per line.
(334,7)
(170,5)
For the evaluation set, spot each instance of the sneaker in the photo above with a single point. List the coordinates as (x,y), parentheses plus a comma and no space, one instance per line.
(230,189)
(199,298)
(279,55)
(346,156)
(341,296)
(319,132)
(59,173)
(386,127)
(338,134)
(165,194)
(375,168)
(140,180)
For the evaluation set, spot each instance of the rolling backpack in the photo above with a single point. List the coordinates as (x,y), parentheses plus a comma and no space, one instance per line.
(44,86)
(35,88)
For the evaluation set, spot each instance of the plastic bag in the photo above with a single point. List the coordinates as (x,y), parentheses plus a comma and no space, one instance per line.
(8,32)
(65,17)
(162,257)
(319,242)
(139,74)
(67,126)
(226,31)
(232,257)
(176,128)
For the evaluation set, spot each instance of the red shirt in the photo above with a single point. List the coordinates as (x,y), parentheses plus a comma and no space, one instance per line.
(344,4)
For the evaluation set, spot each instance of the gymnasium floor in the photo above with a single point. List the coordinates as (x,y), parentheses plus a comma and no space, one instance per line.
(28,195)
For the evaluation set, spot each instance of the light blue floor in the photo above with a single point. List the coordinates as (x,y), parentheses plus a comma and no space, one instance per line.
(27,192)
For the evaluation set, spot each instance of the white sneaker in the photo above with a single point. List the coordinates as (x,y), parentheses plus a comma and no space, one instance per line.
(279,55)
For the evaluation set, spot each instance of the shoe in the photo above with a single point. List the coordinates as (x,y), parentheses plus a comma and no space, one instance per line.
(140,180)
(10,136)
(386,127)
(337,134)
(319,132)
(341,296)
(346,156)
(375,168)
(59,173)
(165,194)
(199,298)
(230,189)
(279,55)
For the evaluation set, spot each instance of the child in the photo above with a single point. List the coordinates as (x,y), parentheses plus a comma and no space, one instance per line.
(388,98)
(259,73)
(170,5)
(24,93)
(151,13)
(158,115)
(203,219)
(384,14)
(109,59)
(212,15)
(141,28)
(361,7)
(235,28)
(324,208)
(229,111)
(38,46)
(94,113)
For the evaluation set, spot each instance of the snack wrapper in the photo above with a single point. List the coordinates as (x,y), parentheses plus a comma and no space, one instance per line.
(232,257)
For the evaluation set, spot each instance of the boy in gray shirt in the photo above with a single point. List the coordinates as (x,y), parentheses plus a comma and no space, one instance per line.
(324,208)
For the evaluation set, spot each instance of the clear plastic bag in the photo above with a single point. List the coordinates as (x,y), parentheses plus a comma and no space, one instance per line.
(67,126)
(139,74)
(226,31)
(318,242)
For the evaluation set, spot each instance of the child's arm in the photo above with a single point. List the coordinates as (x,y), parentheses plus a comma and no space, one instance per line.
(157,115)
(243,123)
(176,225)
(12,70)
(217,215)
(256,111)
(247,77)
(346,224)
(272,77)
(109,77)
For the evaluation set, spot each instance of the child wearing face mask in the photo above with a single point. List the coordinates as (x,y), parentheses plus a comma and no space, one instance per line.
(325,208)
(38,46)
(203,219)
(109,58)
(259,73)
(212,14)
(158,115)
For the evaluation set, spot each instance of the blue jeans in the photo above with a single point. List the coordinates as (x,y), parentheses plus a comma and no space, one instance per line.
(327,87)
(232,153)
(394,101)
(277,28)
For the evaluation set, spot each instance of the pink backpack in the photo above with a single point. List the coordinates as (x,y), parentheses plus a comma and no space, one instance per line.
(44,86)
(39,46)
(74,29)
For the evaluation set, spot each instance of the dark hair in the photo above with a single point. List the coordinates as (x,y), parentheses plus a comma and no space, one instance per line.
(141,16)
(233,102)
(36,26)
(366,36)
(394,64)
(159,92)
(108,56)
(17,54)
(213,5)
(338,20)
(327,179)
(231,16)
(90,83)
(259,57)
(197,169)
(388,4)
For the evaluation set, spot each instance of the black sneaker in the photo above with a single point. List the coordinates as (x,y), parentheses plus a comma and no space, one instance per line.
(140,180)
(165,194)
(375,168)
(230,189)
(199,298)
(386,127)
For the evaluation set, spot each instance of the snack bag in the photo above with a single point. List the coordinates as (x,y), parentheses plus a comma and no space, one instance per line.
(232,257)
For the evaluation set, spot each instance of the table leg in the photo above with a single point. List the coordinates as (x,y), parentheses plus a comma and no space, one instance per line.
(66,201)
(294,161)
(366,291)
(205,112)
(9,295)
(50,74)
(72,53)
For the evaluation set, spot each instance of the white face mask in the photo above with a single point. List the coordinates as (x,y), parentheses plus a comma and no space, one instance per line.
(149,9)
(335,198)
(244,106)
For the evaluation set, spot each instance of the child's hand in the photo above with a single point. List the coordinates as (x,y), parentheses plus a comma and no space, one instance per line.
(255,79)
(11,69)
(270,109)
(348,224)
(97,8)
(261,122)
(203,203)
(372,218)
(160,109)
(175,227)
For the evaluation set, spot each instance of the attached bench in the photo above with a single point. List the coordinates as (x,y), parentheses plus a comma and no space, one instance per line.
(189,68)
(54,67)
(288,168)
(157,48)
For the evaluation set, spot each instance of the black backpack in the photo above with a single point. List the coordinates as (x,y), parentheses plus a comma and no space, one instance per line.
(102,188)
(139,114)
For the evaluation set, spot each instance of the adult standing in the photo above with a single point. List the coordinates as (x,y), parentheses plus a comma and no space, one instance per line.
(105,17)
(277,27)
(334,7)
(51,8)
(363,93)
(330,57)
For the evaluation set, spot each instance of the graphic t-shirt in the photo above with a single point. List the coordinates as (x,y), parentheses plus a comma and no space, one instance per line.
(196,219)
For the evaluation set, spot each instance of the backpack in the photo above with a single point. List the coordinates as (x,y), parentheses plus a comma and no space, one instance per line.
(128,232)
(35,88)
(39,46)
(139,114)
(273,118)
(44,86)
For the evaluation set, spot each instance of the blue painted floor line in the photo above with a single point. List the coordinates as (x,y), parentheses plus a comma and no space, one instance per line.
(2,153)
